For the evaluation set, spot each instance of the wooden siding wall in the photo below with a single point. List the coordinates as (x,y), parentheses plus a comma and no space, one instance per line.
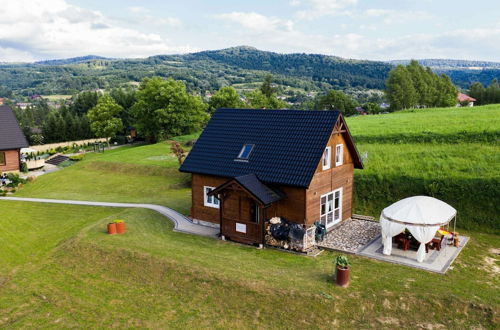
(11,160)
(291,208)
(198,210)
(325,181)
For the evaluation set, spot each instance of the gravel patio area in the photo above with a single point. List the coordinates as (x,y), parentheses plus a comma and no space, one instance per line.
(351,235)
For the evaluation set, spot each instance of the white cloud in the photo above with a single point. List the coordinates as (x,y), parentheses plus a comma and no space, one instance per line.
(55,28)
(256,22)
(391,16)
(319,8)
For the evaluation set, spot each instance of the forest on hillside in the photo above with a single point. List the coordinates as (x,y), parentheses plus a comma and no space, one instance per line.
(208,71)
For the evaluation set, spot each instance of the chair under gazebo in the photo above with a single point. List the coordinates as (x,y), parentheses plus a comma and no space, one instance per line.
(422,216)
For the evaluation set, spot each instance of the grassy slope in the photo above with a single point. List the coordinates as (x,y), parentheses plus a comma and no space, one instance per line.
(152,277)
(451,153)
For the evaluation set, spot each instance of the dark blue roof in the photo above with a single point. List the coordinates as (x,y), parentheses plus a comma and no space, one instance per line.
(265,194)
(11,135)
(288,144)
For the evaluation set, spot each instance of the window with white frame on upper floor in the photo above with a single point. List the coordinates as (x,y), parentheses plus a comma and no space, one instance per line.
(209,200)
(339,154)
(327,158)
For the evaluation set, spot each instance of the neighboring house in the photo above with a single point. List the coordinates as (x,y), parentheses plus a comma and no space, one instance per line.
(11,141)
(465,100)
(361,111)
(250,165)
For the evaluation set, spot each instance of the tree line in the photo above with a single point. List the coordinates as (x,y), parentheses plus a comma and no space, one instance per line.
(414,86)
(485,95)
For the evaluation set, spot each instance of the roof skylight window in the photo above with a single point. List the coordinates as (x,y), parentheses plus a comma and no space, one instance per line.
(245,151)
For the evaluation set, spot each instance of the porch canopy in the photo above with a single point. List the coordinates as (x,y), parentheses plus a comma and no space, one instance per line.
(421,215)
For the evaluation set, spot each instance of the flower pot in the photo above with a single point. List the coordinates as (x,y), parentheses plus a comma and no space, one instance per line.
(111,228)
(120,227)
(342,276)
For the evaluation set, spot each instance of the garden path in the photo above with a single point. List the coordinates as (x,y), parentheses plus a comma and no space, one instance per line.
(181,223)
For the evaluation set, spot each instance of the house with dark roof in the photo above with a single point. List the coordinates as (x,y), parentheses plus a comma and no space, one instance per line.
(11,141)
(251,165)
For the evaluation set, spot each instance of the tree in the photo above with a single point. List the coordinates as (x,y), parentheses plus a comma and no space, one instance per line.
(267,86)
(103,118)
(178,151)
(400,90)
(257,100)
(447,92)
(337,100)
(163,109)
(478,92)
(226,97)
(84,101)
(493,92)
(372,108)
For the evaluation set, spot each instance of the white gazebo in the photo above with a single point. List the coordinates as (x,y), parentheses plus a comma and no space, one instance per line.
(421,215)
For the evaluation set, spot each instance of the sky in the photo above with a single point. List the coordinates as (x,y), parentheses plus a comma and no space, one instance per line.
(32,30)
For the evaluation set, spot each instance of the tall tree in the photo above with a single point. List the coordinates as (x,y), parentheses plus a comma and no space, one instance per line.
(84,101)
(400,90)
(478,92)
(267,86)
(103,118)
(226,97)
(163,109)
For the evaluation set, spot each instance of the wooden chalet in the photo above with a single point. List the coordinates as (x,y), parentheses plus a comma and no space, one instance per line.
(11,141)
(250,165)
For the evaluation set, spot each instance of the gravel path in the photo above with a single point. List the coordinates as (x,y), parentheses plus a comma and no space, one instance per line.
(181,222)
(351,235)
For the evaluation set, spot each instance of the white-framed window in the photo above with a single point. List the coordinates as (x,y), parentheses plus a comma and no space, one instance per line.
(339,155)
(209,200)
(331,208)
(327,158)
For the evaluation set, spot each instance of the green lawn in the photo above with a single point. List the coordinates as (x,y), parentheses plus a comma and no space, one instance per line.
(141,174)
(59,269)
(63,271)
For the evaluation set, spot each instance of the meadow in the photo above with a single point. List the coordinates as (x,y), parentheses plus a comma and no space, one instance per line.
(58,268)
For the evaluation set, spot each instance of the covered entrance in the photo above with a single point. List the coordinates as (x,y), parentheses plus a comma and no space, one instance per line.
(243,204)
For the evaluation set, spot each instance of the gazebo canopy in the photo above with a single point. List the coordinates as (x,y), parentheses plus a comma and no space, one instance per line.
(420,210)
(421,215)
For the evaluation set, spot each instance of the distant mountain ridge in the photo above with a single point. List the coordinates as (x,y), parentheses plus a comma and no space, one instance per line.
(452,64)
(72,60)
(242,67)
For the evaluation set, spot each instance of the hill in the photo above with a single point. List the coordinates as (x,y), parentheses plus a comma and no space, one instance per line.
(72,60)
(243,67)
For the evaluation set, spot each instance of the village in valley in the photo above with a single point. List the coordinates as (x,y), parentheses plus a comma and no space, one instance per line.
(153,186)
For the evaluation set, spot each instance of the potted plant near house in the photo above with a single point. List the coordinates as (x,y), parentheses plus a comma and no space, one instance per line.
(342,271)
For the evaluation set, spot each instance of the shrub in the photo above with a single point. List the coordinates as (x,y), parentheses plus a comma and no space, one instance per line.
(24,167)
(77,158)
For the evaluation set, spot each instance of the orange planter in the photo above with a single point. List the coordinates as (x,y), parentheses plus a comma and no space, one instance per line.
(111,228)
(120,227)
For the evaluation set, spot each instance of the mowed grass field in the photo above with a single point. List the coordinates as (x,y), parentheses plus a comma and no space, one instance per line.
(58,268)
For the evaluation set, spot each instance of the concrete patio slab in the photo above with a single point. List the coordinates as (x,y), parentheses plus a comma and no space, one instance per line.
(435,261)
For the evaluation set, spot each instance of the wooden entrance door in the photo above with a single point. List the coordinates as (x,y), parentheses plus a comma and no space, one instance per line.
(241,218)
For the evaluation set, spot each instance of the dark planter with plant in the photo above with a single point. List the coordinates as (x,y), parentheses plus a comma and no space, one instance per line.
(342,271)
